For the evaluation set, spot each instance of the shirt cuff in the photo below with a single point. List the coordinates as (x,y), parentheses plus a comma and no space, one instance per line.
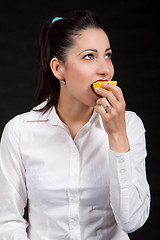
(121,169)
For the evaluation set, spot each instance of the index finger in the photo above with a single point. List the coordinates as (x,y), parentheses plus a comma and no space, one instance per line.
(115,90)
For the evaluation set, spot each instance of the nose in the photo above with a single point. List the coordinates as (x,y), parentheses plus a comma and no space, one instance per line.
(104,67)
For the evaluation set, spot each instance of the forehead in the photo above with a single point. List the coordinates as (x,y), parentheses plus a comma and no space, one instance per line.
(91,38)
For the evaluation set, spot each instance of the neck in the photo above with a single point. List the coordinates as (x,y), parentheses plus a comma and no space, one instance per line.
(73,112)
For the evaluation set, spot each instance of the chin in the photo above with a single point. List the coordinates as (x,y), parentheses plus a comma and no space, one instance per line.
(89,100)
(91,103)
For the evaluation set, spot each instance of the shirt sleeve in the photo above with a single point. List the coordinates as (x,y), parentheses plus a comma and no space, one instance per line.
(129,189)
(13,198)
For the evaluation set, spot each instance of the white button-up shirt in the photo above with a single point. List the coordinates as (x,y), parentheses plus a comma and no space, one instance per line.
(76,189)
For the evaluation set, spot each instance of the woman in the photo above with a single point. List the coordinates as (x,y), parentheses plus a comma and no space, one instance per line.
(78,158)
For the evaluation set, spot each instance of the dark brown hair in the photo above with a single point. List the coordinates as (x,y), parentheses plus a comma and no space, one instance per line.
(56,38)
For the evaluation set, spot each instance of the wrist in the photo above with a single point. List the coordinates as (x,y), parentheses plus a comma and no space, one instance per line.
(119,142)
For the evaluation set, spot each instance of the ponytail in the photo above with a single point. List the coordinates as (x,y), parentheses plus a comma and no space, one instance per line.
(49,86)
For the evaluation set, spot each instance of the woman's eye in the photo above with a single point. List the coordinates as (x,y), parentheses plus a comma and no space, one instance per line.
(108,55)
(89,56)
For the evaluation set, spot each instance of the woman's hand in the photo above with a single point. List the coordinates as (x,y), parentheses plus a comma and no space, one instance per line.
(113,117)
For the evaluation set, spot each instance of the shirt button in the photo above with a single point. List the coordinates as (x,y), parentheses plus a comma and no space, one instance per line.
(74,152)
(121,159)
(75,222)
(123,180)
(74,198)
(123,170)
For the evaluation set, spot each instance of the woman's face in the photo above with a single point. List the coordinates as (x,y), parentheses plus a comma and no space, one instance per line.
(88,60)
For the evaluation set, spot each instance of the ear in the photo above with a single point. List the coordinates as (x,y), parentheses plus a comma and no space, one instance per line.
(57,68)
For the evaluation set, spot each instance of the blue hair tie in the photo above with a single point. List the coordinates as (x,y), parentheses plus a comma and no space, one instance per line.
(56,19)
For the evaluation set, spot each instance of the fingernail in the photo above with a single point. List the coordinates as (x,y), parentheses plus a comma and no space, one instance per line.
(96,88)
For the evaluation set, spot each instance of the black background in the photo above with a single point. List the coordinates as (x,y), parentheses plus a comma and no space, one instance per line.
(133,31)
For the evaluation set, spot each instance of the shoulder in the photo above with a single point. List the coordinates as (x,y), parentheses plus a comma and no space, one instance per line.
(25,122)
(133,119)
(19,122)
(11,129)
(134,125)
(33,115)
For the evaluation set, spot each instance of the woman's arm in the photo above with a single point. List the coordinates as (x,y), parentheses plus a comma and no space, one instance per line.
(114,120)
(13,197)
(129,190)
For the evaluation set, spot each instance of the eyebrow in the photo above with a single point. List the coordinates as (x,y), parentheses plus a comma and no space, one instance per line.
(93,50)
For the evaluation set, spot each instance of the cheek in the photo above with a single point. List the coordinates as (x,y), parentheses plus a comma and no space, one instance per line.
(75,73)
(112,70)
(78,74)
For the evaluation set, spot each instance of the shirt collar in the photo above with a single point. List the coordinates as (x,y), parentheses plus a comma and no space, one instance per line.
(36,115)
(51,115)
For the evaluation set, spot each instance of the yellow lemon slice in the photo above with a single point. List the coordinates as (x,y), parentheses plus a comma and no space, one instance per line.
(100,84)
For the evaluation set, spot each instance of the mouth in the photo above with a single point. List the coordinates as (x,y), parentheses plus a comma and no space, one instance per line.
(100,80)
